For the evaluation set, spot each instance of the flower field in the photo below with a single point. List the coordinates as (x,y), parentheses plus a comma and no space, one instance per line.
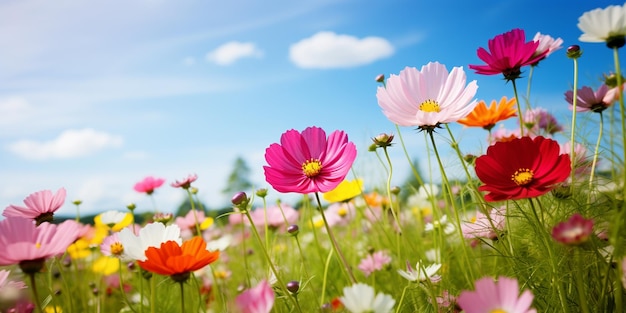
(535,224)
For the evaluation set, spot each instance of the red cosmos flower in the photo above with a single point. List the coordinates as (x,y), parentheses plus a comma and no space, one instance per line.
(521,168)
(148,184)
(508,52)
(178,261)
(309,162)
(574,231)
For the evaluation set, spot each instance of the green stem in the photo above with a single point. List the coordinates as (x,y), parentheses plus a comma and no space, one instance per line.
(580,285)
(182,297)
(520,114)
(195,215)
(391,203)
(573,131)
(33,285)
(326,267)
(618,73)
(333,242)
(408,157)
(153,293)
(595,158)
(402,298)
(530,78)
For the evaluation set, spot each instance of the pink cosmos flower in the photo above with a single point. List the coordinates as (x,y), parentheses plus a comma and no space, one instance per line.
(582,163)
(483,226)
(40,206)
(186,182)
(275,216)
(574,231)
(492,296)
(427,97)
(374,262)
(507,54)
(589,100)
(309,162)
(21,240)
(258,299)
(547,43)
(539,122)
(149,184)
(112,246)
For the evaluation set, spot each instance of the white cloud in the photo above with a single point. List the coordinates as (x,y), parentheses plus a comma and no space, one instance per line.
(330,50)
(71,143)
(230,52)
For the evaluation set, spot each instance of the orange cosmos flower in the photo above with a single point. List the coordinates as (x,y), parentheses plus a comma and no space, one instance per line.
(487,117)
(178,261)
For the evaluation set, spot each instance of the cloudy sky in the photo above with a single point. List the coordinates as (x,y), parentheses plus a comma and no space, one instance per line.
(96,95)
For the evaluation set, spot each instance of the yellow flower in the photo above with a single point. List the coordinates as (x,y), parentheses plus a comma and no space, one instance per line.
(106,265)
(208,222)
(114,220)
(79,249)
(346,190)
(55,309)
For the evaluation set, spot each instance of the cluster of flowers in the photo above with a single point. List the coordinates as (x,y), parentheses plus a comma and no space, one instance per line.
(522,172)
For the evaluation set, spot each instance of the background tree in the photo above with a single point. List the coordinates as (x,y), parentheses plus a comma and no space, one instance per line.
(239,178)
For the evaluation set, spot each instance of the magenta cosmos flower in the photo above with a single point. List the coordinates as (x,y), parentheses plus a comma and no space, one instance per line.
(40,206)
(149,184)
(589,100)
(309,162)
(507,54)
(522,168)
(428,97)
(574,231)
(23,243)
(500,296)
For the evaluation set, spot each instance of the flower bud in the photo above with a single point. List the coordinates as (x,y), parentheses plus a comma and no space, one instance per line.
(380,78)
(240,199)
(193,190)
(163,218)
(383,140)
(293,229)
(77,202)
(131,207)
(574,52)
(611,80)
(261,192)
(372,147)
(395,190)
(293,286)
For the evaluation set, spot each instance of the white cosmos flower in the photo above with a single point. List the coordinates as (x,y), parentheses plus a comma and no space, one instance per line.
(360,298)
(420,273)
(600,25)
(151,235)
(112,217)
(442,223)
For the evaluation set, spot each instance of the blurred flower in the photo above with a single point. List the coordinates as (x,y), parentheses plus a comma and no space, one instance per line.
(178,261)
(40,206)
(149,184)
(540,121)
(546,44)
(604,25)
(589,100)
(275,216)
(185,183)
(10,290)
(258,299)
(187,223)
(340,213)
(361,298)
(374,262)
(80,249)
(346,190)
(151,235)
(508,53)
(504,135)
(115,220)
(420,273)
(428,97)
(106,265)
(487,117)
(441,224)
(521,168)
(21,240)
(574,231)
(582,163)
(446,302)
(483,226)
(309,162)
(112,246)
(500,296)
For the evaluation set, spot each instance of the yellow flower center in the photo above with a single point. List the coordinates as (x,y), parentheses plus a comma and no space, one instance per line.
(497,311)
(430,106)
(38,245)
(473,220)
(117,248)
(342,212)
(523,176)
(312,167)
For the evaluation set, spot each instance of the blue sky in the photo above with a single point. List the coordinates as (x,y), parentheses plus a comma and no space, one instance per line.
(96,95)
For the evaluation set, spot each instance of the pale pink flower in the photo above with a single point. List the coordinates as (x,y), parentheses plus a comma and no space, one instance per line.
(112,246)
(21,240)
(547,43)
(427,97)
(582,162)
(589,100)
(187,223)
(149,184)
(10,290)
(374,262)
(258,299)
(275,216)
(340,213)
(492,296)
(185,183)
(539,122)
(483,226)
(40,206)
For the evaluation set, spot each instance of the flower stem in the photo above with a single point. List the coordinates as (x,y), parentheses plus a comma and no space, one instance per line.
(595,157)
(333,242)
(573,131)
(580,285)
(391,202)
(519,109)
(406,153)
(182,298)
(195,214)
(33,285)
(530,78)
